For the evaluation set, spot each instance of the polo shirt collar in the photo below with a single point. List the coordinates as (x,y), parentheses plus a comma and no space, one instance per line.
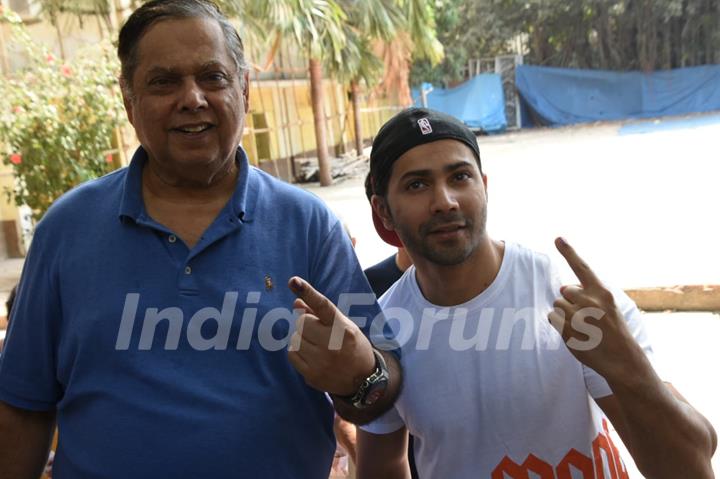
(241,203)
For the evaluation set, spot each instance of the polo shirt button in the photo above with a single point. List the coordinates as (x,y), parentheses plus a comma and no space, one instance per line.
(188,270)
(172,238)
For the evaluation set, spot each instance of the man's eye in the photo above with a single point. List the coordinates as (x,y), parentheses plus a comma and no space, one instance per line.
(462,176)
(215,77)
(415,185)
(160,81)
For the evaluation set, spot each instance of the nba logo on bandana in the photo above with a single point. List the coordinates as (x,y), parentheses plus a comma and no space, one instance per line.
(425,127)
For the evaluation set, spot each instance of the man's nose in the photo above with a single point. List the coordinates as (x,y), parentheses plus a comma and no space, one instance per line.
(443,199)
(192,96)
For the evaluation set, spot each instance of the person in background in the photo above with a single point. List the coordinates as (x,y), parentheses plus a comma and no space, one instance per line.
(384,274)
(381,277)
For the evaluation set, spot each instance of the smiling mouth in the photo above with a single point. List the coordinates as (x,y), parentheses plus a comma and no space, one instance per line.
(447,229)
(194,129)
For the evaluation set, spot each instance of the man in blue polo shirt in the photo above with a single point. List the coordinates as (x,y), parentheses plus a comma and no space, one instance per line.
(153,316)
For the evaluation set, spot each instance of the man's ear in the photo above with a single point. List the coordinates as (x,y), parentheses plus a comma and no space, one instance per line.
(380,207)
(246,90)
(485,182)
(127,99)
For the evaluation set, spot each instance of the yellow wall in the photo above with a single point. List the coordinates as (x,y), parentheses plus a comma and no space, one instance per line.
(287,108)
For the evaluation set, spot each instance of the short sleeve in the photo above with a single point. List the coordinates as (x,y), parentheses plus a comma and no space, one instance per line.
(28,361)
(595,383)
(385,424)
(337,274)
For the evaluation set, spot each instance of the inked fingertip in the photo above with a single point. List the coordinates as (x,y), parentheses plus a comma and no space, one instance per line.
(296,284)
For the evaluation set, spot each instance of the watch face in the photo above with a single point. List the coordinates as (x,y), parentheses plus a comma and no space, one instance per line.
(376,392)
(374,396)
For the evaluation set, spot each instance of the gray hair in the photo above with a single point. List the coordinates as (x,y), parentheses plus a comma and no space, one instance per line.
(158,10)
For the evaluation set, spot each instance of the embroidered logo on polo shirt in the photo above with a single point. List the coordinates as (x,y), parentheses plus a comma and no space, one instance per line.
(268,283)
(425,127)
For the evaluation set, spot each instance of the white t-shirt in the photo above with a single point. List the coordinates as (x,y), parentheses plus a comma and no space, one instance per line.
(490,389)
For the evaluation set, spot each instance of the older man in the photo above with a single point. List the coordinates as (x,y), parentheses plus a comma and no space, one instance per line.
(153,316)
(507,374)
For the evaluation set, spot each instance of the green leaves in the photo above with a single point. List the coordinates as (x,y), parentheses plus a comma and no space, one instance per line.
(375,18)
(421,28)
(341,33)
(600,34)
(57,121)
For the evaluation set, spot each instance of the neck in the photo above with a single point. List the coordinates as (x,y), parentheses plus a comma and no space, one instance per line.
(402,260)
(170,188)
(453,285)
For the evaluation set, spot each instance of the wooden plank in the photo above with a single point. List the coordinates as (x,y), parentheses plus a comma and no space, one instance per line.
(677,298)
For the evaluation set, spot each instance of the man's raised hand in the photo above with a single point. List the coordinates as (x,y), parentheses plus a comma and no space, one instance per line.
(589,321)
(328,349)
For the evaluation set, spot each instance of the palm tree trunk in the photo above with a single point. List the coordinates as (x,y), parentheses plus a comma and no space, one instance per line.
(355,99)
(113,17)
(55,21)
(318,108)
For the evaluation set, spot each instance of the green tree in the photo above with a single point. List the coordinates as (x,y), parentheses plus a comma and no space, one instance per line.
(368,22)
(408,23)
(417,41)
(338,36)
(317,28)
(448,17)
(601,34)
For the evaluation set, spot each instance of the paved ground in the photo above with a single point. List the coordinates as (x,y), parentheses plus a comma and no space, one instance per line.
(641,208)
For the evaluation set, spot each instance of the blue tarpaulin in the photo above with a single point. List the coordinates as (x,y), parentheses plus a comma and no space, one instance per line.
(479,102)
(564,96)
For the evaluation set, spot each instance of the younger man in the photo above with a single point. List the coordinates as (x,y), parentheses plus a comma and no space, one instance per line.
(491,390)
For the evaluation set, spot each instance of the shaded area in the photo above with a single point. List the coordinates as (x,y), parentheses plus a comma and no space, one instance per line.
(564,96)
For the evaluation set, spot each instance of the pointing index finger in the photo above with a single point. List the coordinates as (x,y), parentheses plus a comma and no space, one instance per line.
(323,308)
(581,269)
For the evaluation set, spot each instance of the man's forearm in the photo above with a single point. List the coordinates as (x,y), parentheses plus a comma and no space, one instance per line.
(364,416)
(25,438)
(666,437)
(383,455)
(346,436)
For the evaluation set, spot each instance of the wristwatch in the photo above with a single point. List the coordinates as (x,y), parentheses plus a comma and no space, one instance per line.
(373,387)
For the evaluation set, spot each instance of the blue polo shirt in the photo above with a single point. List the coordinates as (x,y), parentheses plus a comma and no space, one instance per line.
(169,362)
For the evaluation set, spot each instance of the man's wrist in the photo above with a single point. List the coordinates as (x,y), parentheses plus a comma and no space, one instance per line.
(372,387)
(634,374)
(365,367)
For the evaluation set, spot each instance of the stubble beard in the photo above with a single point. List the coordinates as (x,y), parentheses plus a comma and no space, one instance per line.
(449,253)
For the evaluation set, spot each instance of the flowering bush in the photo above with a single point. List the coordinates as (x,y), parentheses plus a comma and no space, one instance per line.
(57,119)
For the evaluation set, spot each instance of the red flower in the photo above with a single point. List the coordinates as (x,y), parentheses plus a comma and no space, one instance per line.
(50,58)
(15,158)
(17,110)
(109,158)
(66,71)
